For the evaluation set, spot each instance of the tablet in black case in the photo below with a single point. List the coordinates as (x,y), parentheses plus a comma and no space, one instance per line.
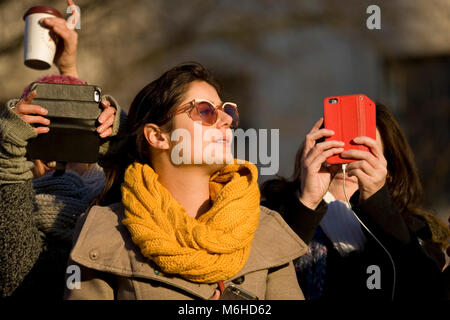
(73,111)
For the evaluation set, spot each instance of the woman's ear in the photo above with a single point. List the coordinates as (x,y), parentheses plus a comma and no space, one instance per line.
(156,137)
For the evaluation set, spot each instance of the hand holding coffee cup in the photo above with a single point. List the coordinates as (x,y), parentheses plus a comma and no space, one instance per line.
(43,28)
(66,49)
(39,44)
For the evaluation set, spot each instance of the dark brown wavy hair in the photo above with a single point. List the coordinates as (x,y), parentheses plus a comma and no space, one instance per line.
(151,105)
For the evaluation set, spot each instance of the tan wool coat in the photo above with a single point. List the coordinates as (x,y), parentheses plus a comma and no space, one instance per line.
(112,267)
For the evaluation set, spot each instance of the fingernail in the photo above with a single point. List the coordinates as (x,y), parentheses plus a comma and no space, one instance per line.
(342,143)
(44,111)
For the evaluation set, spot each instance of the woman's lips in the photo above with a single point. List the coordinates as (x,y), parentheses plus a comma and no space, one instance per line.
(222,140)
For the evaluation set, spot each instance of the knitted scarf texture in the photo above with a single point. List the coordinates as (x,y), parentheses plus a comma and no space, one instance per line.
(208,249)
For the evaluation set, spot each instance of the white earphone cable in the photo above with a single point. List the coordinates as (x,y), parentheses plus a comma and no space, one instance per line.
(344,167)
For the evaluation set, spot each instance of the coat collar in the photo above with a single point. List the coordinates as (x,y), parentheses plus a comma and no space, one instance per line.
(104,244)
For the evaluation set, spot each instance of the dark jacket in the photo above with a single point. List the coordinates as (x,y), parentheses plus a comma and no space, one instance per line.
(417,275)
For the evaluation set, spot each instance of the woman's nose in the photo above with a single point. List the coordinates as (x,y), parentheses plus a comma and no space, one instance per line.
(223,120)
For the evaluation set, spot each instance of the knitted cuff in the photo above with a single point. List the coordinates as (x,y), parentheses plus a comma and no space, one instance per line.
(12,102)
(13,129)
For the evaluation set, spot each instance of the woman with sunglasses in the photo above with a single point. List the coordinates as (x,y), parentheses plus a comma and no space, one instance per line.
(188,230)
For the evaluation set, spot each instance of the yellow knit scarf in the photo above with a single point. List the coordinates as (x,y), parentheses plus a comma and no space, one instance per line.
(211,248)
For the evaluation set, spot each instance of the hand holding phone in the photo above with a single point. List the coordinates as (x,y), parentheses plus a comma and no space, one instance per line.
(314,177)
(370,168)
(32,114)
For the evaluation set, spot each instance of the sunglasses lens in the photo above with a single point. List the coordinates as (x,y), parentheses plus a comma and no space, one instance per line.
(207,112)
(232,112)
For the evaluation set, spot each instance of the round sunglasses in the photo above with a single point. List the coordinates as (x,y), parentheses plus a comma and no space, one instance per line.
(207,113)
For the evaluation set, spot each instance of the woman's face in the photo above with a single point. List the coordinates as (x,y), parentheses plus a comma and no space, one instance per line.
(208,145)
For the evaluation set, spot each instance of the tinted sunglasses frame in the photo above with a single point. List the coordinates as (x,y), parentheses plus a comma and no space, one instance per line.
(194,104)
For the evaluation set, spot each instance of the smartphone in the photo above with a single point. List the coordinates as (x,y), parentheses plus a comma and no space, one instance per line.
(73,111)
(233,292)
(349,117)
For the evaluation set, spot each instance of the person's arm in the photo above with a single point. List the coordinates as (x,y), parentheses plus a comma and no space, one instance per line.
(20,241)
(304,221)
(14,133)
(380,214)
(417,274)
(66,50)
(282,284)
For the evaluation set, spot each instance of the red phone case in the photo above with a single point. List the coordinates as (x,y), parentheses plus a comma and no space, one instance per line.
(349,117)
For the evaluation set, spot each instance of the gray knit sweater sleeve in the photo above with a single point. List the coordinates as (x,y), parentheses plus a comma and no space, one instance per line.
(14,133)
(20,241)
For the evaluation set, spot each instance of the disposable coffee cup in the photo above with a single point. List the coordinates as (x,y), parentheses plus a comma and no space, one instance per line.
(39,46)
